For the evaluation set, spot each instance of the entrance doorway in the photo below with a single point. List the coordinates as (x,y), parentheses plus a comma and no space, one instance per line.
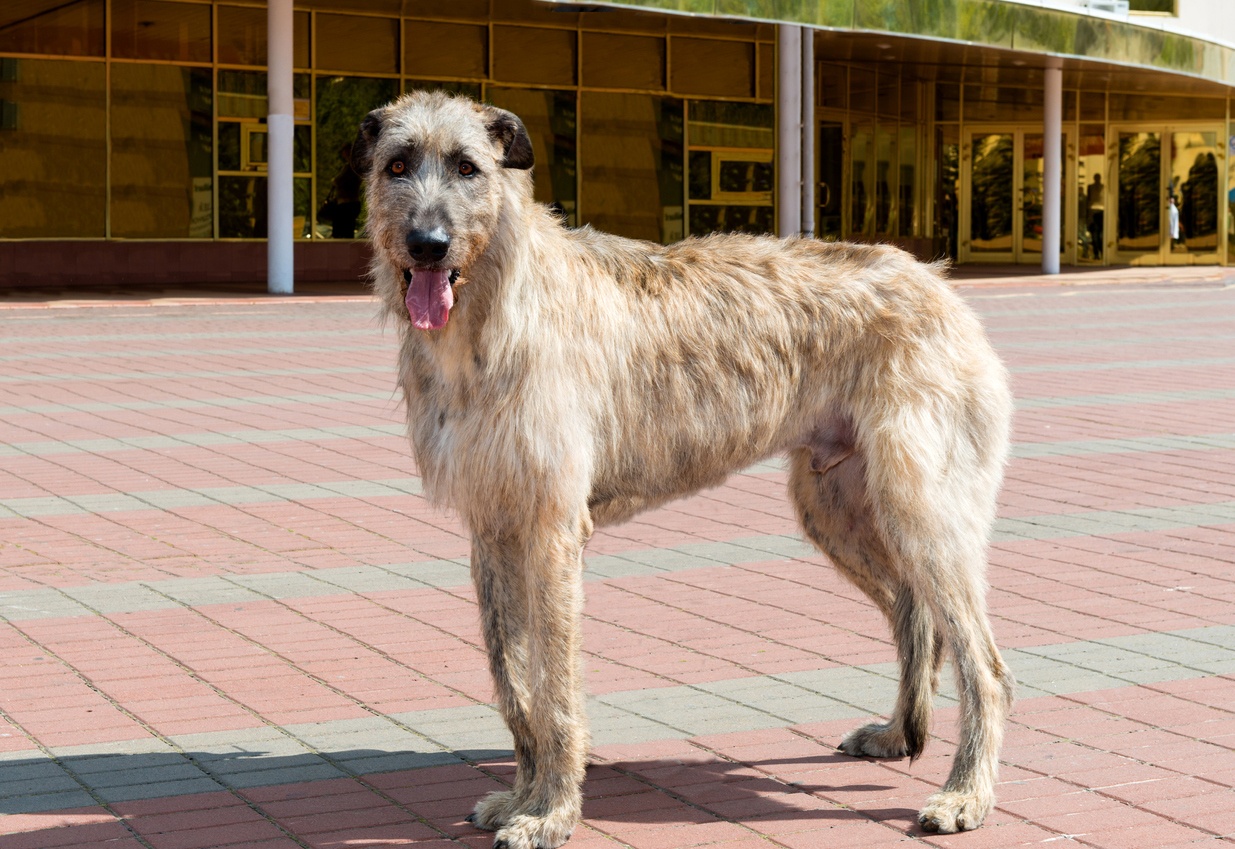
(1167,200)
(1001,180)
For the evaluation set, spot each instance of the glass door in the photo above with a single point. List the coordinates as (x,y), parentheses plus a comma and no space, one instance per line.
(1001,214)
(830,192)
(1167,199)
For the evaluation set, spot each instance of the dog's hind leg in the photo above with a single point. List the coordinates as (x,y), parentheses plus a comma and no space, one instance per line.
(834,511)
(530,592)
(934,498)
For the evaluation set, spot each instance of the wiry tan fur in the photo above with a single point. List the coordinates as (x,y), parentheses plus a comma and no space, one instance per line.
(582,378)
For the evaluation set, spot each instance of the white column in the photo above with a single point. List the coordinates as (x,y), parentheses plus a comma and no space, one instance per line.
(809,180)
(279,148)
(788,130)
(1052,166)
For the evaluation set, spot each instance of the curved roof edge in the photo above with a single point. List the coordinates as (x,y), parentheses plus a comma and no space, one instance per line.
(990,23)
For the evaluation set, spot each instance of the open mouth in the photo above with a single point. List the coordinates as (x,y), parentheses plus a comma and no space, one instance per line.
(430,295)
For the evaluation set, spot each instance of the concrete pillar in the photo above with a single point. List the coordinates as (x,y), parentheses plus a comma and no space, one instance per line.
(279,148)
(1052,166)
(809,179)
(788,130)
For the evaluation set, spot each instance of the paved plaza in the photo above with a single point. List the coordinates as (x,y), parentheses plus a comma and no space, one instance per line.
(228,618)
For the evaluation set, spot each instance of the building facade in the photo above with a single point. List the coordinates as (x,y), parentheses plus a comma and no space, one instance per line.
(133,133)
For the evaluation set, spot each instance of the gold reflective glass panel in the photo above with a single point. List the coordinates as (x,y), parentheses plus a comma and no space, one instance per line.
(535,55)
(731,173)
(632,165)
(52,26)
(612,60)
(991,189)
(1140,192)
(158,29)
(712,68)
(52,181)
(342,102)
(162,163)
(358,43)
(242,36)
(1090,193)
(1194,179)
(551,120)
(440,49)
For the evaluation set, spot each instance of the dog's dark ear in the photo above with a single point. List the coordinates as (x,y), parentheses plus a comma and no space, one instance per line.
(362,148)
(507,130)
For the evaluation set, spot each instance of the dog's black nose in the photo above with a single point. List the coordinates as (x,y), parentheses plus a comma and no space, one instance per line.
(428,245)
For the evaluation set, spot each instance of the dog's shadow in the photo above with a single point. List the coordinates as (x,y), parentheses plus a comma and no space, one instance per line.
(788,793)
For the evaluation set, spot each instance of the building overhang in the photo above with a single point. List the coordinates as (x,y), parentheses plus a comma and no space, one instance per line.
(993,24)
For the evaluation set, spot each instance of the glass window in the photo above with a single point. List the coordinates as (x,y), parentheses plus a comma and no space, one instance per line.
(1158,107)
(433,49)
(731,172)
(52,26)
(242,36)
(358,43)
(162,159)
(1093,105)
(1090,192)
(552,124)
(712,68)
(158,29)
(632,165)
(471,90)
(947,102)
(1161,6)
(833,86)
(947,209)
(532,55)
(998,103)
(477,10)
(907,185)
(861,182)
(767,71)
(53,179)
(342,102)
(623,61)
(242,207)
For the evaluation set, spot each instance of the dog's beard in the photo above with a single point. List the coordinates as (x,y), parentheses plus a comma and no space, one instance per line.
(429,297)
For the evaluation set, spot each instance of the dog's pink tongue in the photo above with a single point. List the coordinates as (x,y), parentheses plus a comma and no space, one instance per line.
(429,299)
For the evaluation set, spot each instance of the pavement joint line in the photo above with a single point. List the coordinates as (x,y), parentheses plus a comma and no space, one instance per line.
(133,596)
(221,402)
(148,376)
(268,755)
(176,498)
(47,448)
(265,351)
(182,499)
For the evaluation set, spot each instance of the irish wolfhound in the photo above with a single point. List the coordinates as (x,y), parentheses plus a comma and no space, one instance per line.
(559,379)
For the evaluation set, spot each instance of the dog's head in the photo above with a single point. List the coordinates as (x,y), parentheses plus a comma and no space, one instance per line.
(438,170)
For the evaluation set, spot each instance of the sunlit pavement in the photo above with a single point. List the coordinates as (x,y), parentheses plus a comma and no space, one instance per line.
(229,618)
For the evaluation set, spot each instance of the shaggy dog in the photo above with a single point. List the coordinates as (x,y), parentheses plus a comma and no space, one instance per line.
(560,379)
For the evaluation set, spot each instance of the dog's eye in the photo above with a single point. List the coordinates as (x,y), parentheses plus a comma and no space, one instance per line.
(397,167)
(466,168)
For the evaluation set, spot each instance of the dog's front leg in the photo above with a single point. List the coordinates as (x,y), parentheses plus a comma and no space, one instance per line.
(530,592)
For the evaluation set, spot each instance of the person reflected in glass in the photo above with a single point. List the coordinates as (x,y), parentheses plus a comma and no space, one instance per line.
(1097,214)
(345,191)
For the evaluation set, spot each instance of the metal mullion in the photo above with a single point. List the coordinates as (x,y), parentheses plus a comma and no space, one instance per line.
(214,121)
(107,147)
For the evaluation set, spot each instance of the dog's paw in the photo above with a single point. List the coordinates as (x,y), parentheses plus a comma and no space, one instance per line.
(524,831)
(949,812)
(494,811)
(875,741)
